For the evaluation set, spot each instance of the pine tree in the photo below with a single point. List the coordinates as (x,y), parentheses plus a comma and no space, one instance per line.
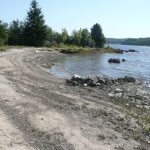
(35,28)
(15,33)
(97,35)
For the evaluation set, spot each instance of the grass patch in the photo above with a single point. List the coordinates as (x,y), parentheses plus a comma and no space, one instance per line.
(108,50)
(6,47)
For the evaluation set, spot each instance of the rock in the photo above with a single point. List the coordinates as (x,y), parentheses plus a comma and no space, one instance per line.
(111,95)
(126,79)
(119,51)
(127,104)
(138,106)
(132,50)
(85,85)
(114,60)
(129,79)
(76,76)
(117,90)
(119,95)
(90,82)
(93,81)
(68,51)
(147,107)
(100,80)
(123,60)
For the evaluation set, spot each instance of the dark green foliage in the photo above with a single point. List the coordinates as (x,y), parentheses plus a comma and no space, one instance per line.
(91,42)
(49,37)
(35,28)
(57,37)
(3,33)
(49,33)
(97,35)
(85,36)
(15,33)
(69,40)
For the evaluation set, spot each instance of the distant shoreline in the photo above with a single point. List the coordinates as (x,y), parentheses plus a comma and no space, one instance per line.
(129,41)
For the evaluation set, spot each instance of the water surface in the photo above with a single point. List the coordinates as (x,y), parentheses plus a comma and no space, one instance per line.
(96,63)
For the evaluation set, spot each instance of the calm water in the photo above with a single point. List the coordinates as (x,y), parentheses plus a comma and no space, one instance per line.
(136,64)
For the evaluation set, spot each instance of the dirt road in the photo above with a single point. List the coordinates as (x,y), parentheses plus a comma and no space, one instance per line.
(38,111)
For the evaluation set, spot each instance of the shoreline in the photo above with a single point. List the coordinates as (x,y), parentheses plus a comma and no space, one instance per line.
(49,113)
(139,83)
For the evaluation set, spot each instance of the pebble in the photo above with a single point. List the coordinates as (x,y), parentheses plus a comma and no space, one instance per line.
(117,90)
(111,95)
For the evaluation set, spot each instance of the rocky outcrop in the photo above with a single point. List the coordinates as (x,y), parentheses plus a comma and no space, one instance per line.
(92,81)
(126,79)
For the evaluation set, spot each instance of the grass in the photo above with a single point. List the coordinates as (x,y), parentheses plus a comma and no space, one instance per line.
(108,50)
(141,115)
(83,49)
(66,47)
(6,47)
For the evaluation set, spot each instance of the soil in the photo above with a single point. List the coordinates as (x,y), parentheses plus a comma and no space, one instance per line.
(39,111)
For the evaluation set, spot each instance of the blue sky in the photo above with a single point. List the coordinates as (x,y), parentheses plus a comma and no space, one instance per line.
(118,18)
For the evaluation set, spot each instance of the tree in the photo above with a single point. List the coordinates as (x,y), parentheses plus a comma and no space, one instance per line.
(3,33)
(97,35)
(15,32)
(76,37)
(49,33)
(57,37)
(64,35)
(85,35)
(35,28)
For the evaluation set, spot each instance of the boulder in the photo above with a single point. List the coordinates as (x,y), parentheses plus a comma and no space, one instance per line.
(114,60)
(130,79)
(68,51)
(126,79)
(123,59)
(117,90)
(132,50)
(119,51)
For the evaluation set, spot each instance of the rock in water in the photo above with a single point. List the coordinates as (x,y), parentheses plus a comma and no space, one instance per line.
(114,60)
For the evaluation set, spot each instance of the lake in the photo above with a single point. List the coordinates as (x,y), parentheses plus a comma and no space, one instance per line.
(137,64)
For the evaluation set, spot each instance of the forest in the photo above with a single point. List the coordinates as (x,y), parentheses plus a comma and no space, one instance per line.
(34,32)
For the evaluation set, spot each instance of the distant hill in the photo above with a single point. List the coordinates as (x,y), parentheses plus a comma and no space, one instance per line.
(114,40)
(140,41)
(129,41)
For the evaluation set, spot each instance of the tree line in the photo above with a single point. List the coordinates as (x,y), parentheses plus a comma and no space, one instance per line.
(129,41)
(34,32)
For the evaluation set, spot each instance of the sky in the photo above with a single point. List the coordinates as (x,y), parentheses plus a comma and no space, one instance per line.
(118,18)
